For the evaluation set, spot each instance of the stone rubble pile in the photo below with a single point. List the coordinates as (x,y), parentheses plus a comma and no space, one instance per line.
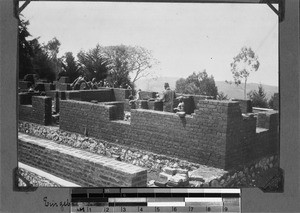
(34,180)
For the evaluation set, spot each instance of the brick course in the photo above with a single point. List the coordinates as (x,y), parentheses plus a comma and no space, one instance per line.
(82,167)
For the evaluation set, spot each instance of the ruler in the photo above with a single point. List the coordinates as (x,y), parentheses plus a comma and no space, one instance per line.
(155,200)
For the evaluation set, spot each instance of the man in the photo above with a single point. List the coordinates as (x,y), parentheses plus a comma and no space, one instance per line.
(168,98)
(180,107)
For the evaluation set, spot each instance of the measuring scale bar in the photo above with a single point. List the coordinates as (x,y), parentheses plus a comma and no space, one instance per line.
(136,200)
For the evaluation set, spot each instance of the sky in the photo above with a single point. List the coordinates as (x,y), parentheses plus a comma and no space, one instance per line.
(184,37)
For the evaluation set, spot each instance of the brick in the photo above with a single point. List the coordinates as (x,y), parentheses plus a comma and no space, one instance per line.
(56,160)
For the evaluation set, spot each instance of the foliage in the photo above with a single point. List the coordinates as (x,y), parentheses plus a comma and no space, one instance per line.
(258,98)
(70,67)
(128,61)
(52,49)
(25,49)
(140,62)
(118,57)
(197,83)
(221,96)
(271,102)
(94,63)
(243,64)
(33,57)
(42,62)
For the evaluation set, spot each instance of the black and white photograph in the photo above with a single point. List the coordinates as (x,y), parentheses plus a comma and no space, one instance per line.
(149,106)
(135,94)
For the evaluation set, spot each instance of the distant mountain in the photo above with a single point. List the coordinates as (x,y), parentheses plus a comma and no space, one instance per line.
(234,91)
(231,90)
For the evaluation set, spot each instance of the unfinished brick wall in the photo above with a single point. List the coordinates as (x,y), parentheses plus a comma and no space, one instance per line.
(102,95)
(40,86)
(216,135)
(248,142)
(24,84)
(144,95)
(160,132)
(25,98)
(245,105)
(62,86)
(119,94)
(39,112)
(79,166)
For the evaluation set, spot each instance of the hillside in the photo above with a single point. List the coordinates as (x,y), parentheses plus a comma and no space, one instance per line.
(232,91)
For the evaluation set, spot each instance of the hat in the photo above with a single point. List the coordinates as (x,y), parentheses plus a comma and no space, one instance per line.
(167,85)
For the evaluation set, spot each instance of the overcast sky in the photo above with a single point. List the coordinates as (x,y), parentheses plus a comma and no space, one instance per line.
(184,37)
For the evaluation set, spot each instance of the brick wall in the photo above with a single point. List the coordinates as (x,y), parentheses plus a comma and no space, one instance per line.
(82,167)
(120,94)
(216,135)
(62,86)
(245,105)
(44,86)
(144,95)
(39,112)
(25,98)
(64,79)
(118,110)
(55,99)
(83,117)
(102,95)
(71,95)
(24,84)
(164,133)
(247,142)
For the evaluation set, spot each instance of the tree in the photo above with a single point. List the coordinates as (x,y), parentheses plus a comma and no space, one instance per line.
(25,49)
(33,57)
(70,67)
(52,49)
(243,64)
(119,59)
(140,62)
(258,98)
(94,63)
(129,61)
(42,62)
(197,83)
(271,102)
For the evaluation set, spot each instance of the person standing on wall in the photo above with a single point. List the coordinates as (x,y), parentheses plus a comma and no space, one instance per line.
(168,98)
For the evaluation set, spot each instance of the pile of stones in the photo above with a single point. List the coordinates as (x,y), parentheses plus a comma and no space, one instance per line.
(30,179)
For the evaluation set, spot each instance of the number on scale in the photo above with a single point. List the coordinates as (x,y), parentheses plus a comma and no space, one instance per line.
(141,209)
(208,208)
(123,209)
(83,209)
(106,209)
(157,209)
(174,209)
(191,208)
